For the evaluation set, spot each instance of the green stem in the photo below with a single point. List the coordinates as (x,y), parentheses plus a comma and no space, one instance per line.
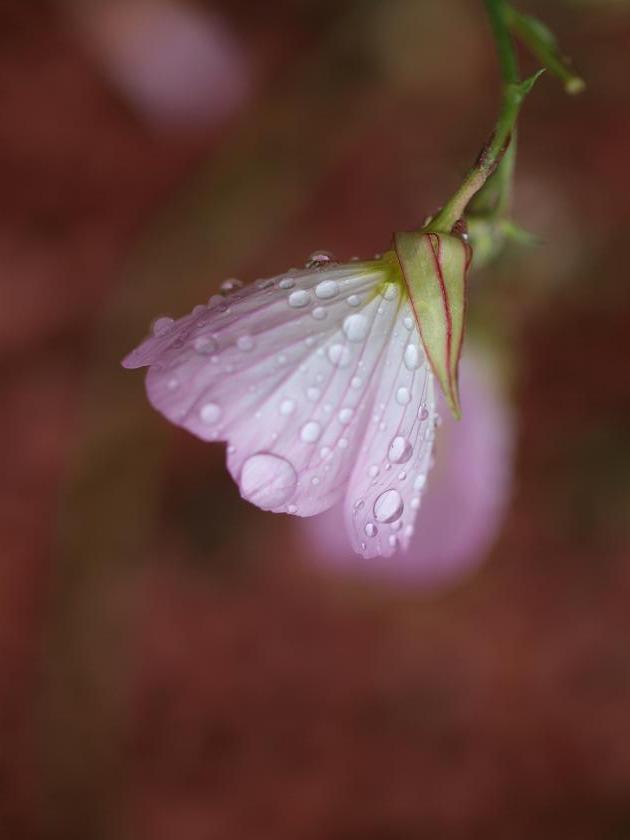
(513,96)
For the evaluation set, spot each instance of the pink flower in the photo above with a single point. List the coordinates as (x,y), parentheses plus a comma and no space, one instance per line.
(464,506)
(175,62)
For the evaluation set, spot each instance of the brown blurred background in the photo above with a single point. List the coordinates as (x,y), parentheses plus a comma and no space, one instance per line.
(174,665)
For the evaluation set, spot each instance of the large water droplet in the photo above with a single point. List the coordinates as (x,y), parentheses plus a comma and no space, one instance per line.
(299,298)
(403,396)
(162,325)
(311,431)
(267,480)
(339,355)
(356,327)
(245,343)
(286,283)
(326,289)
(371,530)
(353,300)
(389,506)
(413,357)
(210,413)
(400,450)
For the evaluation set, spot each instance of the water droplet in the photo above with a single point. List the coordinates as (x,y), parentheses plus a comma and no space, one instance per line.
(345,416)
(326,289)
(413,357)
(287,407)
(356,382)
(320,259)
(299,298)
(358,505)
(206,345)
(319,313)
(200,309)
(419,483)
(342,443)
(162,325)
(245,343)
(402,476)
(339,355)
(415,503)
(354,300)
(310,432)
(325,452)
(423,413)
(286,283)
(267,480)
(408,322)
(400,450)
(370,530)
(230,285)
(373,471)
(210,413)
(389,506)
(356,327)
(389,291)
(292,509)
(403,396)
(313,394)
(217,302)
(393,541)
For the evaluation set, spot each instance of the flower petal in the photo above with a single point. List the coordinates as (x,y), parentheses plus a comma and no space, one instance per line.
(285,372)
(391,468)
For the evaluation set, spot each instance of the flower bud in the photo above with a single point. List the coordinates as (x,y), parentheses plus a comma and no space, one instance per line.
(434,268)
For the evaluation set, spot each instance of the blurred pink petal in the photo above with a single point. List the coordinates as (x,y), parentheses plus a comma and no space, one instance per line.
(465,502)
(318,382)
(176,63)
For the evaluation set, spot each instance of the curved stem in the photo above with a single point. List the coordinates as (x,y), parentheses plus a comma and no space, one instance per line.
(513,96)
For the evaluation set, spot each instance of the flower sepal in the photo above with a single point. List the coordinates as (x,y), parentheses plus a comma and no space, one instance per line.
(434,268)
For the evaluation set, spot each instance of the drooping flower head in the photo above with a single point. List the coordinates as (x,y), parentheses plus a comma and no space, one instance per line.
(321,381)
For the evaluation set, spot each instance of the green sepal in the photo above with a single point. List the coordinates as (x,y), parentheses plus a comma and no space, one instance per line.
(434,267)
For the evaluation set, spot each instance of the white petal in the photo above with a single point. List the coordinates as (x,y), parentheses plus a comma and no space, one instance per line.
(391,468)
(285,372)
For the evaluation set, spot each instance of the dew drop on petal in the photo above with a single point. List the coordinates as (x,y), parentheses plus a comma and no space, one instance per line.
(371,530)
(162,325)
(310,432)
(408,322)
(423,413)
(389,506)
(286,283)
(392,541)
(356,382)
(319,259)
(230,285)
(358,505)
(292,509)
(339,355)
(267,480)
(413,357)
(419,483)
(313,394)
(345,416)
(210,413)
(287,407)
(400,450)
(356,327)
(319,313)
(245,343)
(415,503)
(373,471)
(353,300)
(403,396)
(342,443)
(389,291)
(205,345)
(299,298)
(326,289)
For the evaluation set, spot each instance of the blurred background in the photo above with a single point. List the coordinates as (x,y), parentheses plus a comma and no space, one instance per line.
(177,665)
